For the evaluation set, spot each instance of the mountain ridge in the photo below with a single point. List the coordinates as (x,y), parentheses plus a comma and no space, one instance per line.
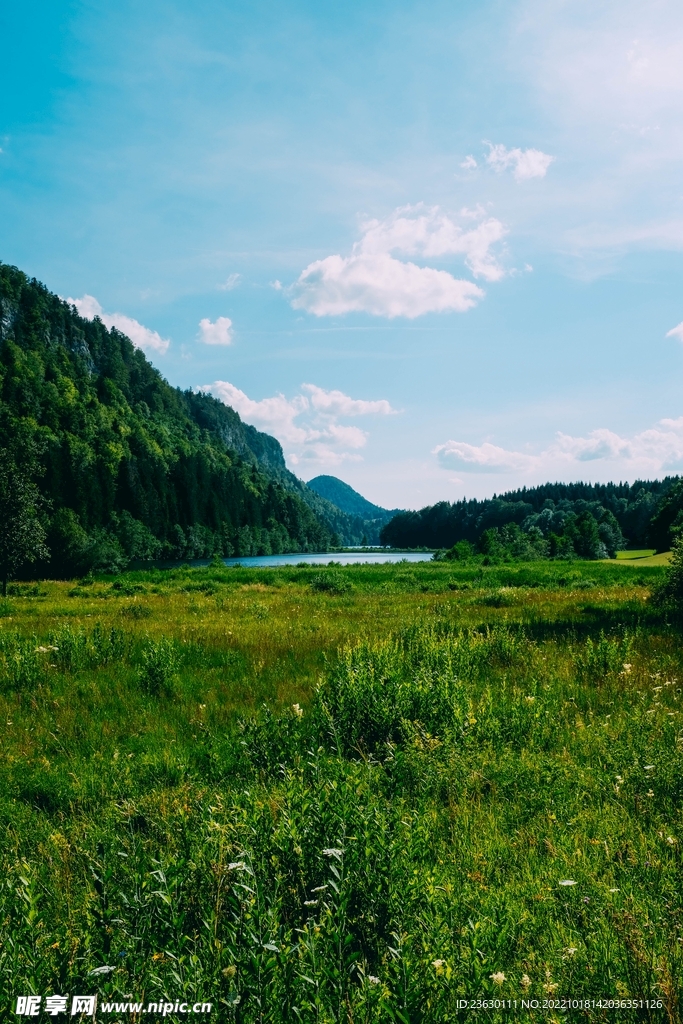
(129,467)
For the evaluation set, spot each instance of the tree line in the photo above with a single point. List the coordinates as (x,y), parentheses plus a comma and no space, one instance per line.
(550,521)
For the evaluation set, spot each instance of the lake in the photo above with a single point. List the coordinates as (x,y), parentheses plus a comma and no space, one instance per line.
(342,557)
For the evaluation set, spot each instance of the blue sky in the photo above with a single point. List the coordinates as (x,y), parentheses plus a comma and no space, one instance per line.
(435,248)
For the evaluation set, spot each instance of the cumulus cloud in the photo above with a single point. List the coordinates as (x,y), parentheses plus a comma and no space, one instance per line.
(676,332)
(380,285)
(373,280)
(141,336)
(485,458)
(307,424)
(275,415)
(336,403)
(425,231)
(650,452)
(525,163)
(218,333)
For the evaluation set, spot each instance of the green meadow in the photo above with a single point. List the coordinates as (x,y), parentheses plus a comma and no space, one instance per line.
(395,793)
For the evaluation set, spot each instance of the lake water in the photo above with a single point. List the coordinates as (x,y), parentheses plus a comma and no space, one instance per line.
(343,557)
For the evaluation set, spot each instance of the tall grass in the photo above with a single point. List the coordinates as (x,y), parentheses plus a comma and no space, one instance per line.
(393,831)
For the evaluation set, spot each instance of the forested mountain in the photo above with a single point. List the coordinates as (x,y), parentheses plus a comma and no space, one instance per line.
(555,519)
(127,466)
(368,519)
(266,451)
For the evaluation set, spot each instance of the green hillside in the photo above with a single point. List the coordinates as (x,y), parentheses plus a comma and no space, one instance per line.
(348,500)
(129,467)
(367,519)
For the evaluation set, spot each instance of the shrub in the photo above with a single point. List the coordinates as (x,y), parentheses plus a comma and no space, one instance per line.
(158,666)
(331,582)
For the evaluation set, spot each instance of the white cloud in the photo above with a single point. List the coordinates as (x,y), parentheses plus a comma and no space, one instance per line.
(676,332)
(275,415)
(648,453)
(232,282)
(142,337)
(469,163)
(600,444)
(218,333)
(485,458)
(336,403)
(425,231)
(308,424)
(525,163)
(373,280)
(380,285)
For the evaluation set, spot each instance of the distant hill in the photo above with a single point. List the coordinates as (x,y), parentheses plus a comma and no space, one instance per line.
(368,518)
(345,498)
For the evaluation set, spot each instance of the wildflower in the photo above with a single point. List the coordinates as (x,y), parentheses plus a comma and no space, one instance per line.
(586,899)
(310,903)
(569,951)
(670,840)
(525,981)
(497,977)
(626,667)
(648,767)
(237,865)
(298,710)
(529,700)
(333,852)
(373,979)
(614,890)
(567,881)
(550,986)
(649,793)
(438,966)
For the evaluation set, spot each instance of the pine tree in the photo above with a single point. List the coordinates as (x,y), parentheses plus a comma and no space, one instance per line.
(22,534)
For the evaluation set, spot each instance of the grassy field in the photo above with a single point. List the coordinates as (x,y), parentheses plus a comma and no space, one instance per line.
(358,794)
(645,557)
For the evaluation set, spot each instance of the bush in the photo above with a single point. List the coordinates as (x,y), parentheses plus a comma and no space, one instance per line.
(331,582)
(670,591)
(158,667)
